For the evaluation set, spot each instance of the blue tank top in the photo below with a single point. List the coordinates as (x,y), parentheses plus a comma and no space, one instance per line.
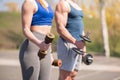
(42,16)
(75,23)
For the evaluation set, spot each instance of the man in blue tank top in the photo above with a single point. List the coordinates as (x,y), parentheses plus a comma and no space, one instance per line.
(68,17)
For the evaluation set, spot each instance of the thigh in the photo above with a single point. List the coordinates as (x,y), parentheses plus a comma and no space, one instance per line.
(29,60)
(70,60)
(46,67)
(66,54)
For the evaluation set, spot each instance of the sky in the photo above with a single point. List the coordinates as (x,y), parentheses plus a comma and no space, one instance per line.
(3,2)
(19,2)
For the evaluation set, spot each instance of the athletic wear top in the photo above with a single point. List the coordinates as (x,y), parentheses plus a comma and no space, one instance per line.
(75,24)
(42,16)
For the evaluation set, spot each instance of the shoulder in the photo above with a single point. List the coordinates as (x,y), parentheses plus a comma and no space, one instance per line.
(62,6)
(29,5)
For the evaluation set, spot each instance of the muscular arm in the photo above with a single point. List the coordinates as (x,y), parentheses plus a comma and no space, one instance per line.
(27,13)
(61,14)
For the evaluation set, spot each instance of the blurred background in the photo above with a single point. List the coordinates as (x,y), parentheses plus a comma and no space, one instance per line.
(101,19)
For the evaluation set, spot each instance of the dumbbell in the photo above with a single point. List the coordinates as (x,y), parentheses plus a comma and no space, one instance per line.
(86,37)
(48,39)
(88,58)
(57,62)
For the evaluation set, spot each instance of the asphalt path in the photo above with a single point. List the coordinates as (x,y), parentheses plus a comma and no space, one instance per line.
(102,69)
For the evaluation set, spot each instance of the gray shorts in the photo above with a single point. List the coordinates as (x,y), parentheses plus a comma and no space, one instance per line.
(70,60)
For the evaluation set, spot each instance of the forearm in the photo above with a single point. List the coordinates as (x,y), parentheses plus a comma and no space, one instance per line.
(29,35)
(63,32)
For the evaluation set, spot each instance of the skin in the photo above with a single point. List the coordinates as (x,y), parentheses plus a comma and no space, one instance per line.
(61,16)
(29,7)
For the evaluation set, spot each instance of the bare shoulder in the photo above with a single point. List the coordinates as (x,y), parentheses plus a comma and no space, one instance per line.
(62,6)
(28,5)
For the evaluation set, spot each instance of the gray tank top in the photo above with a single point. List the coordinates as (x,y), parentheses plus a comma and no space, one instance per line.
(75,23)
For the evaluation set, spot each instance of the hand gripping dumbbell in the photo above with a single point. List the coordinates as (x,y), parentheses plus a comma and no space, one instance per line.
(88,58)
(48,39)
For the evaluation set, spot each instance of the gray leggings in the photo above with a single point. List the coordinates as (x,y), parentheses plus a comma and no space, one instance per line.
(32,68)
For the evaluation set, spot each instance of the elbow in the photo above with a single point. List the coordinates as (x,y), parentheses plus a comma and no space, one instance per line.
(60,30)
(25,31)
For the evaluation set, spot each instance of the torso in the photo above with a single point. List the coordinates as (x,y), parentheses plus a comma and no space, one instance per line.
(74,22)
(73,4)
(44,29)
(41,29)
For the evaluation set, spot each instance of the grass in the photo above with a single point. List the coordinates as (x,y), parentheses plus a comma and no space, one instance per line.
(10,28)
(11,34)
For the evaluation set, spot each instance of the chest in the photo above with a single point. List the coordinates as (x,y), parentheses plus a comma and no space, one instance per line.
(74,13)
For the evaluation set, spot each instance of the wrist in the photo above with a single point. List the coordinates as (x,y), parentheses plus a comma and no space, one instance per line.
(38,43)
